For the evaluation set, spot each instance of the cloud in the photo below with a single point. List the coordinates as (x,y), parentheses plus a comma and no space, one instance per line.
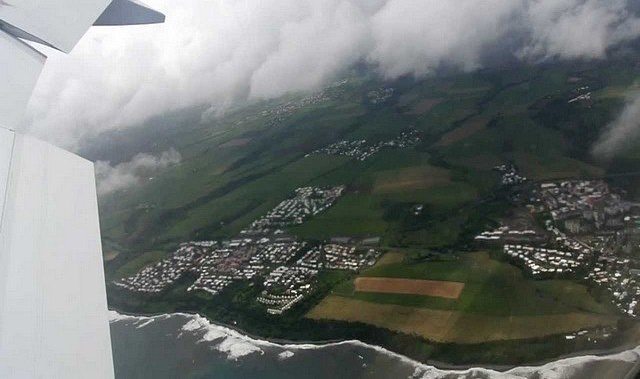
(222,52)
(419,37)
(578,28)
(623,131)
(127,174)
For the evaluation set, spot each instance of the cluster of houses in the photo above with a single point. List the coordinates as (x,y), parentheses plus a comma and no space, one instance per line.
(584,206)
(278,113)
(286,280)
(593,335)
(622,281)
(588,229)
(380,95)
(277,253)
(598,221)
(231,262)
(339,257)
(581,94)
(285,286)
(285,267)
(509,175)
(539,261)
(156,277)
(505,234)
(307,202)
(362,149)
(216,265)
(358,149)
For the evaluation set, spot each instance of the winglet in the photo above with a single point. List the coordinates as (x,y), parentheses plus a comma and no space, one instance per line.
(129,12)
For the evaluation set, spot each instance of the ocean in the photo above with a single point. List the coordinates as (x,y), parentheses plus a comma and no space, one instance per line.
(189,346)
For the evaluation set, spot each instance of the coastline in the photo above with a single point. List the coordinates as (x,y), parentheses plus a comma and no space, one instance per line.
(236,332)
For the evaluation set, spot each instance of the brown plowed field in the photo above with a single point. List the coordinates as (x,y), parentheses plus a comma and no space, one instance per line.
(447,290)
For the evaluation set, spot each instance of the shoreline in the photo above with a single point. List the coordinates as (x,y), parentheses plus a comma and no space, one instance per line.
(439,365)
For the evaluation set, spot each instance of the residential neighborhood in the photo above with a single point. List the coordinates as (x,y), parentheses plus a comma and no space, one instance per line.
(363,149)
(590,233)
(307,202)
(287,268)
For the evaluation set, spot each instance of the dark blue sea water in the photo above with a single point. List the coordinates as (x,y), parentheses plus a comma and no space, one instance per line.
(189,346)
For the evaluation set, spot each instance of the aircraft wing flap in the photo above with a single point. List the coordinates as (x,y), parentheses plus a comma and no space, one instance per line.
(20,67)
(60,23)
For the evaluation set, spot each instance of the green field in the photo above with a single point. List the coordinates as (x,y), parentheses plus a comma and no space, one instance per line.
(496,303)
(491,288)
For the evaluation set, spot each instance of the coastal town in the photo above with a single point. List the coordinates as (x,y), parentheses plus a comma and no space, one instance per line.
(589,233)
(288,269)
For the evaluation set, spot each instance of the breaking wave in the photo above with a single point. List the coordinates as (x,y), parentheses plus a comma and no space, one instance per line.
(235,345)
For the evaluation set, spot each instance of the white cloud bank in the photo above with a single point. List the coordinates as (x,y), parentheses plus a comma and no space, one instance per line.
(623,131)
(127,174)
(219,52)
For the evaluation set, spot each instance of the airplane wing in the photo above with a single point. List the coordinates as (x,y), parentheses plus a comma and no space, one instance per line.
(20,66)
(53,305)
(129,12)
(53,308)
(56,23)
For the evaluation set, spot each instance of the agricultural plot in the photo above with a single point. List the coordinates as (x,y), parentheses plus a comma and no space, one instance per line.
(494,302)
(491,287)
(389,258)
(559,168)
(448,290)
(453,326)
(462,132)
(410,178)
(425,106)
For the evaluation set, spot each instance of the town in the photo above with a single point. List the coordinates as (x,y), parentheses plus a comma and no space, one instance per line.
(308,201)
(288,268)
(362,149)
(589,233)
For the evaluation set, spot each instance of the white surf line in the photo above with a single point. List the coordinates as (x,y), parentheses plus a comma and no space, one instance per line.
(198,322)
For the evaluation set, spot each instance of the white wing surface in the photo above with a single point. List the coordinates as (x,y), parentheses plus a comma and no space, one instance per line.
(20,66)
(59,23)
(53,306)
(52,299)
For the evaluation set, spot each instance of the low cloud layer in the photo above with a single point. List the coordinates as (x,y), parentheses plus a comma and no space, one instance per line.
(127,174)
(220,52)
(621,132)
